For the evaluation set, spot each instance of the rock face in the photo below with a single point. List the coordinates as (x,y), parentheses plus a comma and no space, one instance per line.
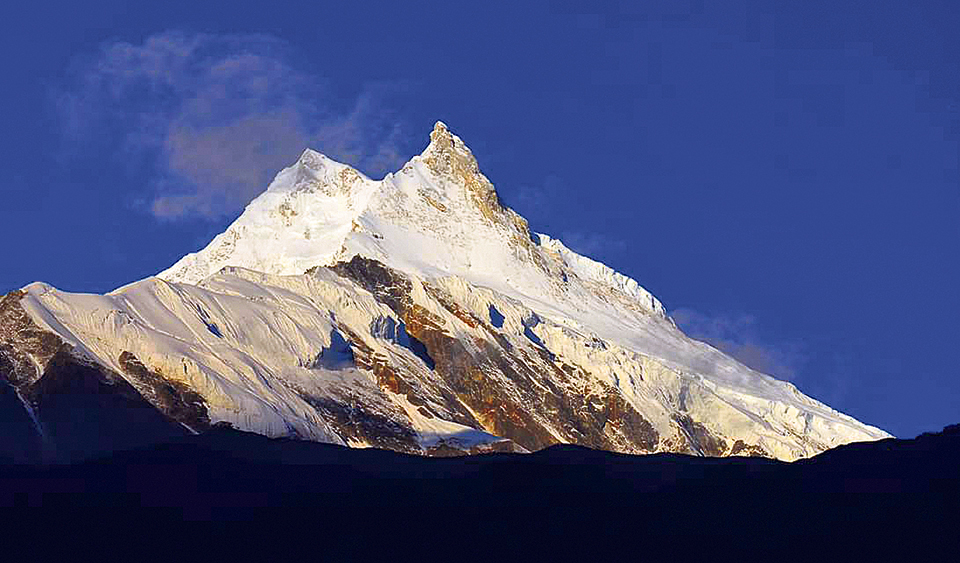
(78,408)
(414,313)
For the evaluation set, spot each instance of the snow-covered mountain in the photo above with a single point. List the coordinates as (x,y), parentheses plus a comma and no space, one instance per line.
(414,313)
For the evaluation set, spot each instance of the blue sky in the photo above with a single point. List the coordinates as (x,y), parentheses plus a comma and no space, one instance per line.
(783,176)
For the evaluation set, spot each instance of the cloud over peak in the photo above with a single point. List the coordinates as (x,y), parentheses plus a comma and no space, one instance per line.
(738,336)
(216,116)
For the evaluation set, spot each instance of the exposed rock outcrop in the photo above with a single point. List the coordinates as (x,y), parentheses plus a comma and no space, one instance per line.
(78,408)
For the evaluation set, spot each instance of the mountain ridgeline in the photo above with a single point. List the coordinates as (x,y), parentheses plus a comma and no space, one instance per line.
(414,313)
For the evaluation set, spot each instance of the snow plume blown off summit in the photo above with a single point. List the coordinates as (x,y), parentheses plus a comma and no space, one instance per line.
(417,313)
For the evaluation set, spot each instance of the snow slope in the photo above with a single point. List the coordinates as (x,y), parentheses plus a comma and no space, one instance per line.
(244,323)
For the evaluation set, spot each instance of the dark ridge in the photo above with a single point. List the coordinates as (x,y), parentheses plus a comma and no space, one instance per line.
(21,440)
(87,411)
(174,399)
(73,409)
(904,492)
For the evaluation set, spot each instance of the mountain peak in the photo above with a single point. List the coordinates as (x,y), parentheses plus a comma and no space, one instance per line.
(446,147)
(452,162)
(428,320)
(443,141)
(439,128)
(313,162)
(310,155)
(316,172)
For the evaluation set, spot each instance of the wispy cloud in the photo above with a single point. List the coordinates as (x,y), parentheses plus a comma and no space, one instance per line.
(214,117)
(529,200)
(534,202)
(738,336)
(593,245)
